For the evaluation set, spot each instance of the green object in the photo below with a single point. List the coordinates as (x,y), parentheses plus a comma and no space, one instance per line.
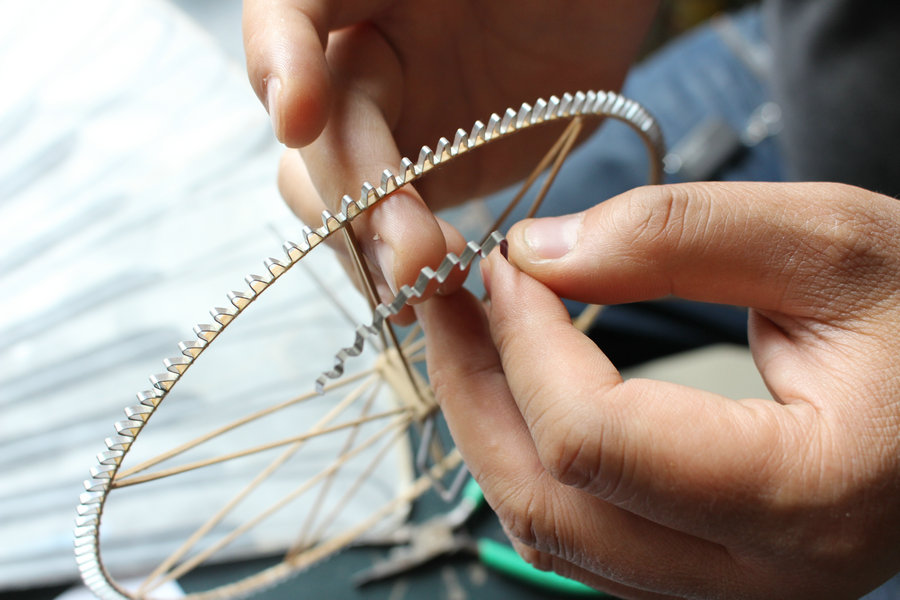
(504,559)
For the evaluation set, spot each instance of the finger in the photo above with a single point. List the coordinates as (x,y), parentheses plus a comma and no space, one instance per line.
(284,41)
(815,259)
(752,244)
(301,196)
(660,450)
(461,359)
(284,44)
(400,234)
(538,511)
(548,562)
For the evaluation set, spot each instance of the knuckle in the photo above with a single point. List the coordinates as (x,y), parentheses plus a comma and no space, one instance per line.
(441,380)
(611,473)
(445,382)
(863,243)
(537,559)
(568,452)
(574,451)
(664,217)
(533,396)
(848,242)
(523,513)
(567,441)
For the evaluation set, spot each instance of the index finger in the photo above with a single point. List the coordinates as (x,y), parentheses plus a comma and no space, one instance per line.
(662,451)
(595,542)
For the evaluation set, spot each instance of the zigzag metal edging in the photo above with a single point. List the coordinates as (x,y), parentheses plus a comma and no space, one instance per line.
(385,310)
(86,531)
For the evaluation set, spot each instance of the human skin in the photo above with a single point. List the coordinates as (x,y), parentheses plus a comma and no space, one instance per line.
(356,85)
(648,489)
(641,488)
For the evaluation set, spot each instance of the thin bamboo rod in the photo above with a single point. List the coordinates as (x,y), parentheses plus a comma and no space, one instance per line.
(340,504)
(199,464)
(197,559)
(366,274)
(535,173)
(125,473)
(326,486)
(284,569)
(570,135)
(216,518)
(362,269)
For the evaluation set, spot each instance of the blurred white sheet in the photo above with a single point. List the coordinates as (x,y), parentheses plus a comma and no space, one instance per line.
(137,186)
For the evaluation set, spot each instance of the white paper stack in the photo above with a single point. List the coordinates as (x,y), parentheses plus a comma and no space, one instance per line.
(137,187)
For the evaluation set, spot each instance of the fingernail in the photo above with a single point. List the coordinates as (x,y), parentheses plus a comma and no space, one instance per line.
(504,249)
(384,256)
(273,91)
(550,238)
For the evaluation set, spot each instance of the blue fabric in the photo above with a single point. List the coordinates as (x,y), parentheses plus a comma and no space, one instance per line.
(691,80)
(683,85)
(888,591)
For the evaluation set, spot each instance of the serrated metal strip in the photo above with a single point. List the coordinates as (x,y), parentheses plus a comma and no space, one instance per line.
(383,311)
(597,104)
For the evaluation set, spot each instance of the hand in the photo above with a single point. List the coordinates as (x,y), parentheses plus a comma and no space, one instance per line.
(648,489)
(360,84)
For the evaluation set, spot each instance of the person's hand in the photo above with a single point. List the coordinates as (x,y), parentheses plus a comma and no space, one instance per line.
(359,84)
(649,489)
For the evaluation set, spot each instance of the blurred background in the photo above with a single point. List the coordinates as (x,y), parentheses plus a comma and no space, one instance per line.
(137,186)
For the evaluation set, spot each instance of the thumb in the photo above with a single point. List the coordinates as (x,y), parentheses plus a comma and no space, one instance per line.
(777,247)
